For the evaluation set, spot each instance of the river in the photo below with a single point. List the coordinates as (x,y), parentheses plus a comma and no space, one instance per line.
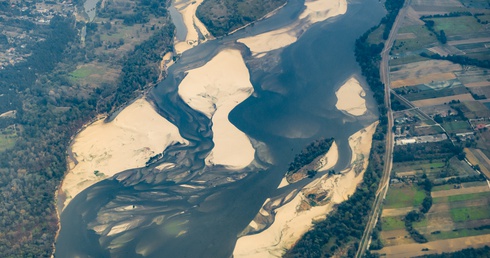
(191,210)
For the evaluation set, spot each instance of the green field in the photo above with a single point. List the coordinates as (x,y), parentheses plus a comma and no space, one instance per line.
(8,138)
(392,223)
(457,25)
(431,94)
(470,213)
(421,224)
(442,187)
(457,126)
(475,106)
(473,184)
(431,168)
(456,234)
(406,59)
(409,196)
(423,38)
(85,71)
(418,165)
(6,142)
(122,32)
(463,197)
(471,46)
(92,73)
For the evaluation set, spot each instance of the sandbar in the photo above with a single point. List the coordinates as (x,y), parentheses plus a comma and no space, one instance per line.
(103,149)
(215,89)
(315,11)
(193,25)
(350,98)
(293,219)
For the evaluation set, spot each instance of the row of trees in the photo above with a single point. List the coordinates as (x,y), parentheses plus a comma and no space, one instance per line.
(462,60)
(423,151)
(483,252)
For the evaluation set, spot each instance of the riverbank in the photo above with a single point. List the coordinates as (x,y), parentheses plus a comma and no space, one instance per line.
(215,89)
(193,25)
(296,217)
(350,98)
(315,11)
(102,149)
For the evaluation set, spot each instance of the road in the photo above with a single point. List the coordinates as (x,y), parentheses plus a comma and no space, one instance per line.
(388,157)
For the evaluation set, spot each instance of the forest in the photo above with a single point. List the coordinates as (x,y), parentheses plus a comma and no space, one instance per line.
(224,16)
(50,109)
(309,153)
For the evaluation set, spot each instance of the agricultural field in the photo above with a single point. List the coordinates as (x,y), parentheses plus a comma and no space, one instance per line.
(93,74)
(413,38)
(455,127)
(436,170)
(460,215)
(444,28)
(418,168)
(423,72)
(8,138)
(458,26)
(474,110)
(402,195)
(443,100)
(477,157)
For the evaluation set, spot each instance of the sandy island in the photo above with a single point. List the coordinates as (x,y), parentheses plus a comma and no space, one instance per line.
(296,217)
(350,98)
(315,11)
(104,149)
(193,25)
(215,89)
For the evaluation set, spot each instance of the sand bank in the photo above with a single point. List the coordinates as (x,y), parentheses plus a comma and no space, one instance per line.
(104,149)
(296,217)
(9,114)
(215,89)
(193,25)
(315,11)
(350,98)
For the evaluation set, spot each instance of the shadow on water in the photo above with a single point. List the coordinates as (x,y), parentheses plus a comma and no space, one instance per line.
(178,207)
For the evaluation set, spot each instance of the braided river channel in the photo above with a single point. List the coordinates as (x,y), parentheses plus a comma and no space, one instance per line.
(191,209)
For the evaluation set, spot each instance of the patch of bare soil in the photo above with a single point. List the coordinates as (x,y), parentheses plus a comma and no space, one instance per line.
(396,212)
(468,190)
(396,237)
